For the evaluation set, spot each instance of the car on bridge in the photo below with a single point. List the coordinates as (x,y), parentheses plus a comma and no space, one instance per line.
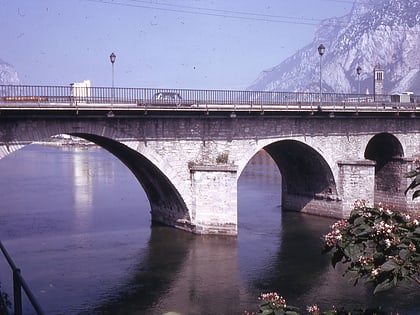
(167,98)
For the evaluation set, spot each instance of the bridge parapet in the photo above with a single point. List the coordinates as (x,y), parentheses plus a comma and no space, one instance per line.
(211,100)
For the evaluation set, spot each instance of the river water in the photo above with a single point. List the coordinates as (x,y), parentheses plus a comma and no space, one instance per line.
(77,223)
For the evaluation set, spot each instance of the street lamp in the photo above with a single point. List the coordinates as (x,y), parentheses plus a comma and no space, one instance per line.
(358,71)
(321,51)
(112,58)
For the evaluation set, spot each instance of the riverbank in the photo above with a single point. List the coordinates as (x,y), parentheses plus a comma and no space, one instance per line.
(73,141)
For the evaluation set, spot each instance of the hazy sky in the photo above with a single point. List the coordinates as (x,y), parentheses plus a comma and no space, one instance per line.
(200,44)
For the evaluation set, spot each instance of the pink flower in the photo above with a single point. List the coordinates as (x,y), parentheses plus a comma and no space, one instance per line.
(314,309)
(360,204)
(375,272)
(273,297)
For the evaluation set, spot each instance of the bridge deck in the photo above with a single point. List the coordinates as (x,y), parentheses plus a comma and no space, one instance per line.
(14,98)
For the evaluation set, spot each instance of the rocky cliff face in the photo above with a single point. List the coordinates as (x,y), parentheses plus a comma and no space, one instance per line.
(8,74)
(385,32)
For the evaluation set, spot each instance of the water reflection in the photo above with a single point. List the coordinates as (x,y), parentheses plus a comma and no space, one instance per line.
(181,273)
(97,254)
(83,185)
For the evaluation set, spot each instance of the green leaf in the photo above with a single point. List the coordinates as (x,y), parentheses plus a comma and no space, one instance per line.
(395,280)
(404,253)
(389,265)
(353,251)
(358,221)
(383,286)
(336,257)
(367,230)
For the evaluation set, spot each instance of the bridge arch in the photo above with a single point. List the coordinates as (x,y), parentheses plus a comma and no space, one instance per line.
(307,177)
(382,148)
(304,170)
(387,151)
(167,201)
(167,204)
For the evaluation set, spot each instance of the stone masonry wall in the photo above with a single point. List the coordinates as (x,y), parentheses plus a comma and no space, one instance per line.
(215,199)
(357,181)
(174,144)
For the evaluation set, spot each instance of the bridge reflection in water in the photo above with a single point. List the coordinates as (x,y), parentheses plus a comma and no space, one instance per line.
(115,263)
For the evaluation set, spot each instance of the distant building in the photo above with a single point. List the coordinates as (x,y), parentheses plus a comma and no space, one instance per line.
(378,82)
(404,97)
(80,90)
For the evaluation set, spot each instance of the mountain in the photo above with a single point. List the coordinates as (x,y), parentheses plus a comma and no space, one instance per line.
(8,74)
(384,32)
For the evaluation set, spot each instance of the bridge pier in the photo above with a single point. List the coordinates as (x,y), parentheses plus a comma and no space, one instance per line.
(214,193)
(390,185)
(356,181)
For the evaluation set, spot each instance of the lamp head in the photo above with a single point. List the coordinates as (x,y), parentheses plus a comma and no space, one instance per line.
(112,57)
(321,49)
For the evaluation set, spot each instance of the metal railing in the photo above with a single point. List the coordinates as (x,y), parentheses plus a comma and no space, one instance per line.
(19,283)
(69,95)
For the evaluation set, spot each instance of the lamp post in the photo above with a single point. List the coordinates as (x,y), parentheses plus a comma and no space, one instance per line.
(321,51)
(358,71)
(112,58)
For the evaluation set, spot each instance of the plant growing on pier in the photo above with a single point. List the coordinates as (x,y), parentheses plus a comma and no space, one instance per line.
(222,158)
(415,174)
(378,245)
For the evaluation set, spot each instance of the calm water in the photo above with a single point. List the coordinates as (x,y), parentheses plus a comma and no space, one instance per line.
(78,225)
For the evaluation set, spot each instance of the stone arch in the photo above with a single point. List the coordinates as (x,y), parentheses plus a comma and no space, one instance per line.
(304,170)
(169,199)
(383,148)
(386,150)
(308,183)
(167,205)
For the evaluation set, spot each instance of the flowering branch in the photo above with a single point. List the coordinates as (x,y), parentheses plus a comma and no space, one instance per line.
(378,245)
(274,304)
(415,174)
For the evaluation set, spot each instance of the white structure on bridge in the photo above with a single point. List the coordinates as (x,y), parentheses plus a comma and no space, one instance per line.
(81,89)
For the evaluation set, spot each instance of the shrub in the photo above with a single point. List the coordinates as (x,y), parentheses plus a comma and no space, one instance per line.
(378,245)
(415,174)
(274,304)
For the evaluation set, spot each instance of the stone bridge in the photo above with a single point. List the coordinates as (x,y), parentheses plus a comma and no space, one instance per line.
(189,163)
